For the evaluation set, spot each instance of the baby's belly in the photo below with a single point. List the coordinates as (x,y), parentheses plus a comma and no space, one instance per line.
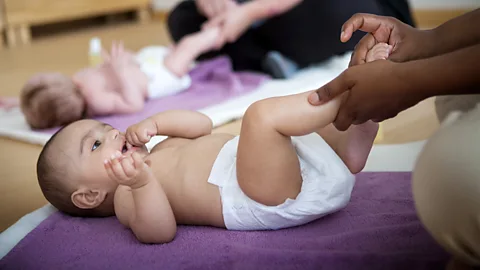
(194,200)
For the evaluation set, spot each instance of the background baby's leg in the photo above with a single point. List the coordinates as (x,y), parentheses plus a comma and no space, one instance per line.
(180,59)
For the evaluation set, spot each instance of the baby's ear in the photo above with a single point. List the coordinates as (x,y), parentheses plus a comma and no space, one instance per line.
(85,198)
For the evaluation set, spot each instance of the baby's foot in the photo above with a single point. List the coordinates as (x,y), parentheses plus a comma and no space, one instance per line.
(200,42)
(184,54)
(357,144)
(381,51)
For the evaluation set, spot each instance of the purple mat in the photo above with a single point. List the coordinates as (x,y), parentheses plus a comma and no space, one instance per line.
(213,82)
(377,230)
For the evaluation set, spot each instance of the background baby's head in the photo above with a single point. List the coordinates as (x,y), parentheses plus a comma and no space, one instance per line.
(70,187)
(50,100)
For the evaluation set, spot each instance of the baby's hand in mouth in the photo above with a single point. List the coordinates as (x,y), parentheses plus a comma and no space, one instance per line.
(141,133)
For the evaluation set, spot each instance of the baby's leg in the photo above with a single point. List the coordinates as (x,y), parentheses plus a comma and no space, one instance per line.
(268,169)
(189,48)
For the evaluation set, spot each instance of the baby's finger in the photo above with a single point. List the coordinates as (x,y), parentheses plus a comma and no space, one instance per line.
(113,51)
(136,139)
(143,137)
(108,167)
(138,161)
(121,47)
(128,167)
(105,55)
(117,167)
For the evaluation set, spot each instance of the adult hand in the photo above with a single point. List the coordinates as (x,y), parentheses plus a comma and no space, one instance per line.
(212,8)
(372,91)
(232,23)
(408,43)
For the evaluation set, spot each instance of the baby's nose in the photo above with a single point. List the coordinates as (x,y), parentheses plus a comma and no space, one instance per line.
(114,134)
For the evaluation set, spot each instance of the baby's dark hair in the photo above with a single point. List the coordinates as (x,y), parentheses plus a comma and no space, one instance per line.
(52,174)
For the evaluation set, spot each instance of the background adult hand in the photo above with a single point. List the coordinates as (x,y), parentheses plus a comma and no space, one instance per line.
(372,91)
(212,8)
(232,23)
(408,43)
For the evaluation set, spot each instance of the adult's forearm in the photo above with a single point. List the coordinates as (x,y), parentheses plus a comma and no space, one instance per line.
(264,9)
(457,33)
(453,73)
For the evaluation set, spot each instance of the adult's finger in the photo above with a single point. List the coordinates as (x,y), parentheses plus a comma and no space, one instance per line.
(215,22)
(330,90)
(361,21)
(344,118)
(359,55)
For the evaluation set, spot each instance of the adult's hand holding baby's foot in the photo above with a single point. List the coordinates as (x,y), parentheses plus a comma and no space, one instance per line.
(376,90)
(131,171)
(141,133)
(233,23)
(407,43)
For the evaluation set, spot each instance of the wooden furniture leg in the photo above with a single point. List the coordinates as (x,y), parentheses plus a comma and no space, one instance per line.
(25,34)
(143,15)
(11,37)
(1,39)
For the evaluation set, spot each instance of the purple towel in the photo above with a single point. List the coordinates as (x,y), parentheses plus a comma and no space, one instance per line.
(377,230)
(213,82)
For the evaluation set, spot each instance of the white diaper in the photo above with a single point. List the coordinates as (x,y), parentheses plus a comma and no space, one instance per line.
(162,81)
(326,188)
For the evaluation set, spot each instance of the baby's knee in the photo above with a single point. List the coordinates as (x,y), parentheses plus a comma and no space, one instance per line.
(447,191)
(260,113)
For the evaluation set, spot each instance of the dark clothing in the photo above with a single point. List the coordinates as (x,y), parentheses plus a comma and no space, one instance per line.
(307,34)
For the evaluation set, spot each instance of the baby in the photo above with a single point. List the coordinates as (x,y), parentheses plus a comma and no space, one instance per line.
(289,166)
(121,84)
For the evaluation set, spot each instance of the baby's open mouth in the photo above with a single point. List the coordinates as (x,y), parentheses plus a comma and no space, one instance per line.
(124,148)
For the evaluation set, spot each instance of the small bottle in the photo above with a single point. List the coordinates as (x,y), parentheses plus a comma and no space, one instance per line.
(95,52)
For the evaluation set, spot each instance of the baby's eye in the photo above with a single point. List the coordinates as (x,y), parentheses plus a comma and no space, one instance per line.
(96,144)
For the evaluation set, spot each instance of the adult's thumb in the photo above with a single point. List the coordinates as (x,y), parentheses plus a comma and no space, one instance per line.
(329,91)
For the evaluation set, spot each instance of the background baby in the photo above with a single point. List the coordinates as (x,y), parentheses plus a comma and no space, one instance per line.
(119,85)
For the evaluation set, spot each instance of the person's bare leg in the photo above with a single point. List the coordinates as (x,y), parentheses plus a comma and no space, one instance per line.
(268,169)
(188,49)
(353,145)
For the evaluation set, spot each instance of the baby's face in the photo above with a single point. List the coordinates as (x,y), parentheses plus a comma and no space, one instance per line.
(88,143)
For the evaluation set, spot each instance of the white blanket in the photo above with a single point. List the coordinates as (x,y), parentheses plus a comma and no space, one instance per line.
(382,157)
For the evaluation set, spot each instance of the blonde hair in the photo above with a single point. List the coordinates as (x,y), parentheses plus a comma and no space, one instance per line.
(50,100)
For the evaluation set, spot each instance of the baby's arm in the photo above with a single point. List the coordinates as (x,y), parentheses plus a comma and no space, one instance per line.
(173,123)
(140,201)
(126,73)
(108,102)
